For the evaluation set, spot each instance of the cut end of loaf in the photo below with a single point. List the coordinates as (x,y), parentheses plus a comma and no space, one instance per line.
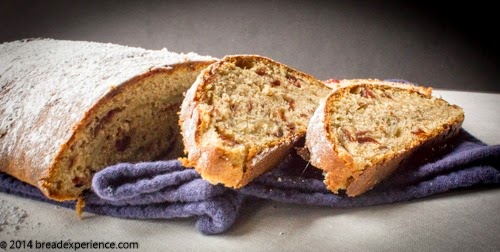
(371,128)
(243,115)
(135,122)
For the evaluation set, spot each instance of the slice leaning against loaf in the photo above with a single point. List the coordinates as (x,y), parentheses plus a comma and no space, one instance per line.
(243,115)
(361,132)
(71,108)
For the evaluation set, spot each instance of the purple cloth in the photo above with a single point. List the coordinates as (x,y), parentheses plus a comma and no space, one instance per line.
(155,190)
(165,189)
(460,162)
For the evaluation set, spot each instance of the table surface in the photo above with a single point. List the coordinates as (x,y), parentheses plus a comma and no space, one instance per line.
(464,220)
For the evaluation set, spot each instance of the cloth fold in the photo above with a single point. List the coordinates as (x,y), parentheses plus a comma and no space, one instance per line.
(165,189)
(150,190)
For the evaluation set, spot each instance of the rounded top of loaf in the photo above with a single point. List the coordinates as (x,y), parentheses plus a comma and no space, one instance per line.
(47,87)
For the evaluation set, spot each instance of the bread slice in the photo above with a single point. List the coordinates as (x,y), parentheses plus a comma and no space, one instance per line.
(243,115)
(71,108)
(362,131)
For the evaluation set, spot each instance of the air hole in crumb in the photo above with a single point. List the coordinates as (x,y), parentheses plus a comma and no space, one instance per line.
(354,90)
(350,179)
(78,181)
(291,77)
(244,64)
(122,144)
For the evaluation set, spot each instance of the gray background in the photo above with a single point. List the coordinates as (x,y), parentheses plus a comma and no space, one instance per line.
(440,46)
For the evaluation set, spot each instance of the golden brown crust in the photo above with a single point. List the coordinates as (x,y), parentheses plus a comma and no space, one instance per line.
(337,163)
(233,167)
(321,149)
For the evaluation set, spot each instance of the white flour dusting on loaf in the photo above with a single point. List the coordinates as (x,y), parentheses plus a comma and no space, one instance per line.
(45,90)
(48,86)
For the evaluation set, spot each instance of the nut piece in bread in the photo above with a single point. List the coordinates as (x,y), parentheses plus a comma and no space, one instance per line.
(71,108)
(362,131)
(243,115)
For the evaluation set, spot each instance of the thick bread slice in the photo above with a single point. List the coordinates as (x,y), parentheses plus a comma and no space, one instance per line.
(361,132)
(71,108)
(243,115)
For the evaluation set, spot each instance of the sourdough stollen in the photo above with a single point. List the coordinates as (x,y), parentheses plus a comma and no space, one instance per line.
(71,108)
(363,130)
(165,190)
(243,115)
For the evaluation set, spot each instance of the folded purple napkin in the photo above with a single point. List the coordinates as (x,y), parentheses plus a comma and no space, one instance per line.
(463,161)
(155,190)
(165,189)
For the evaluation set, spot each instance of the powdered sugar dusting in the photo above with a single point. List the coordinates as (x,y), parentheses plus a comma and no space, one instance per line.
(46,86)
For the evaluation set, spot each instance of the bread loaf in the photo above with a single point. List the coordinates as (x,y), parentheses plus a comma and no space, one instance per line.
(362,131)
(243,115)
(68,109)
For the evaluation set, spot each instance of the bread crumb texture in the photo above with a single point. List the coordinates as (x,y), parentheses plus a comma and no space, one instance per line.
(251,109)
(372,124)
